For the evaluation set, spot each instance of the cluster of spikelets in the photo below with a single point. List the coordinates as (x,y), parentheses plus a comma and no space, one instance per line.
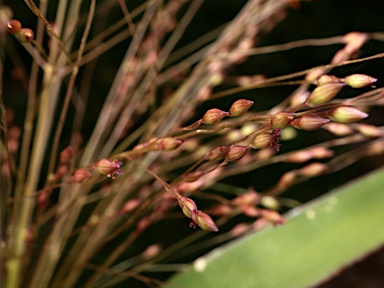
(316,112)
(25,35)
(309,111)
(311,114)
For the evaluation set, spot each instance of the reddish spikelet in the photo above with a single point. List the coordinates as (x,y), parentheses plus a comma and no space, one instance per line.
(287,180)
(266,139)
(250,211)
(204,221)
(30,236)
(213,116)
(250,198)
(321,152)
(315,74)
(272,216)
(62,170)
(5,169)
(239,107)
(245,81)
(354,41)
(282,119)
(264,154)
(326,79)
(26,35)
(81,175)
(346,114)
(13,145)
(168,143)
(340,56)
(370,131)
(314,169)
(13,26)
(189,187)
(129,206)
(260,223)
(66,155)
(299,156)
(359,80)
(43,198)
(309,122)
(151,251)
(217,153)
(142,224)
(375,148)
(193,176)
(188,206)
(324,93)
(108,167)
(299,98)
(235,153)
(239,229)
(338,129)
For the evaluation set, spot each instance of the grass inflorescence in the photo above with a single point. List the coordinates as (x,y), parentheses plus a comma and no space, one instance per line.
(106,154)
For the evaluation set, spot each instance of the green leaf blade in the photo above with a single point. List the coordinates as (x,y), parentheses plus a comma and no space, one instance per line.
(319,239)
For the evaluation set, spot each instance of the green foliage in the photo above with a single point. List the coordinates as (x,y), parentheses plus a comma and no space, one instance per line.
(318,240)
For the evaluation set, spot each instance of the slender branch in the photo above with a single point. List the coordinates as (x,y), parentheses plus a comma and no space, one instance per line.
(293,75)
(70,88)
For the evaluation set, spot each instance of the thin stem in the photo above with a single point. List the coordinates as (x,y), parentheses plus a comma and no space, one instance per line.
(39,14)
(293,75)
(106,118)
(21,220)
(30,113)
(42,274)
(296,44)
(150,78)
(5,194)
(127,16)
(70,88)
(206,38)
